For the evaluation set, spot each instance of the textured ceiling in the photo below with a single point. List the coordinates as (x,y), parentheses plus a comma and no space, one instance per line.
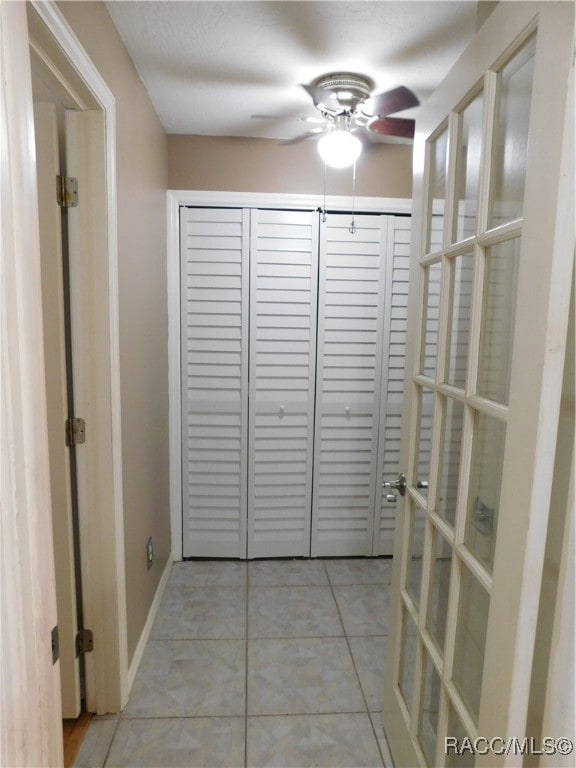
(210,66)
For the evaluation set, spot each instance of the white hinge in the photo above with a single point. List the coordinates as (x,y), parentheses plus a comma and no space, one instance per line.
(84,641)
(67,191)
(75,431)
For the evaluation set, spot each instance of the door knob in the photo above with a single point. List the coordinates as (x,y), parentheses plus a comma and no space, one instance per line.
(391,497)
(397,485)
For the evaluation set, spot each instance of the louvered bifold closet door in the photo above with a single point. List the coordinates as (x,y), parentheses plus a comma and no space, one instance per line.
(350,325)
(393,362)
(284,266)
(214,295)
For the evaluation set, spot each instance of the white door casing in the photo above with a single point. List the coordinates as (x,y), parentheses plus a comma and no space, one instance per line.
(469,557)
(176,199)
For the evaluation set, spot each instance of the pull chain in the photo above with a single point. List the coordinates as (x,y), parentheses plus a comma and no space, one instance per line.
(352,227)
(323,211)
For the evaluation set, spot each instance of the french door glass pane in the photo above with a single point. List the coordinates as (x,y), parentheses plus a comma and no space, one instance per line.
(456,734)
(473,604)
(424,437)
(468,169)
(441,568)
(452,425)
(511,136)
(407,658)
(498,309)
(462,273)
(438,156)
(417,533)
(484,489)
(430,705)
(429,352)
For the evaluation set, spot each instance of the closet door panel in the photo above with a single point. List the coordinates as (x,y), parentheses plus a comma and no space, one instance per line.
(393,362)
(350,325)
(214,299)
(282,376)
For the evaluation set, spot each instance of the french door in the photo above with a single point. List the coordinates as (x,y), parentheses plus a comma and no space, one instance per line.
(492,261)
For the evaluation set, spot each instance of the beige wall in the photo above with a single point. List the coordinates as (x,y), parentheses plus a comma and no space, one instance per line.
(263,165)
(142,182)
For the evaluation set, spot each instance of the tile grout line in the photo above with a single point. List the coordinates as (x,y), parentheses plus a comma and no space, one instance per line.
(356,671)
(109,750)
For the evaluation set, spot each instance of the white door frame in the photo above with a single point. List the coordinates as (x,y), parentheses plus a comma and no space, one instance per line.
(97,371)
(223,199)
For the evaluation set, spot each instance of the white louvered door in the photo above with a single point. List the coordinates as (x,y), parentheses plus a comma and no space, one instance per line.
(393,359)
(214,364)
(264,291)
(350,325)
(284,275)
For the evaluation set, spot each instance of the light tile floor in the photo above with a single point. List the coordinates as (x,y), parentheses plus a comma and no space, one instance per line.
(262,663)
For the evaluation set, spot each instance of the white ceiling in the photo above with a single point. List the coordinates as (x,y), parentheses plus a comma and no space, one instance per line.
(208,66)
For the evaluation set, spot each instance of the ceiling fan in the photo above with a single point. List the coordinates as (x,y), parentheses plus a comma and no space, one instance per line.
(347,107)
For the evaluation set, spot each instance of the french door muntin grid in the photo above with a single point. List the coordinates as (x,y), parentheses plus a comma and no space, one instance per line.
(464,564)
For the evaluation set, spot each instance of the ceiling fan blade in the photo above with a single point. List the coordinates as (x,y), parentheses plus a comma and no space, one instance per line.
(389,102)
(302,137)
(392,126)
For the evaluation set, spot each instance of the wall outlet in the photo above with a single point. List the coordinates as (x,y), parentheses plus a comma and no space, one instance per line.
(149,553)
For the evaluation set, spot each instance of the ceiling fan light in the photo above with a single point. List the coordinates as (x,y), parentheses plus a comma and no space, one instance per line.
(339,149)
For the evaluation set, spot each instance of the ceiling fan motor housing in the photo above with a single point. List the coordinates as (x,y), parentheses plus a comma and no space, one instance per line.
(346,102)
(345,90)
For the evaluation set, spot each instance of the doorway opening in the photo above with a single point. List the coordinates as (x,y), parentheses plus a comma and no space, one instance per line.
(76,112)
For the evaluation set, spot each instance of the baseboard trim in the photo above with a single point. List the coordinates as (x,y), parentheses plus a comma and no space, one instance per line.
(145,636)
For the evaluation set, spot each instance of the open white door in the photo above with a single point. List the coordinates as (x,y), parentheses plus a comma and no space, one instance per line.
(53,315)
(489,306)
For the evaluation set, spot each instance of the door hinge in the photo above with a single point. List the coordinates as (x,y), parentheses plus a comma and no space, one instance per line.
(75,431)
(84,641)
(67,191)
(55,645)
